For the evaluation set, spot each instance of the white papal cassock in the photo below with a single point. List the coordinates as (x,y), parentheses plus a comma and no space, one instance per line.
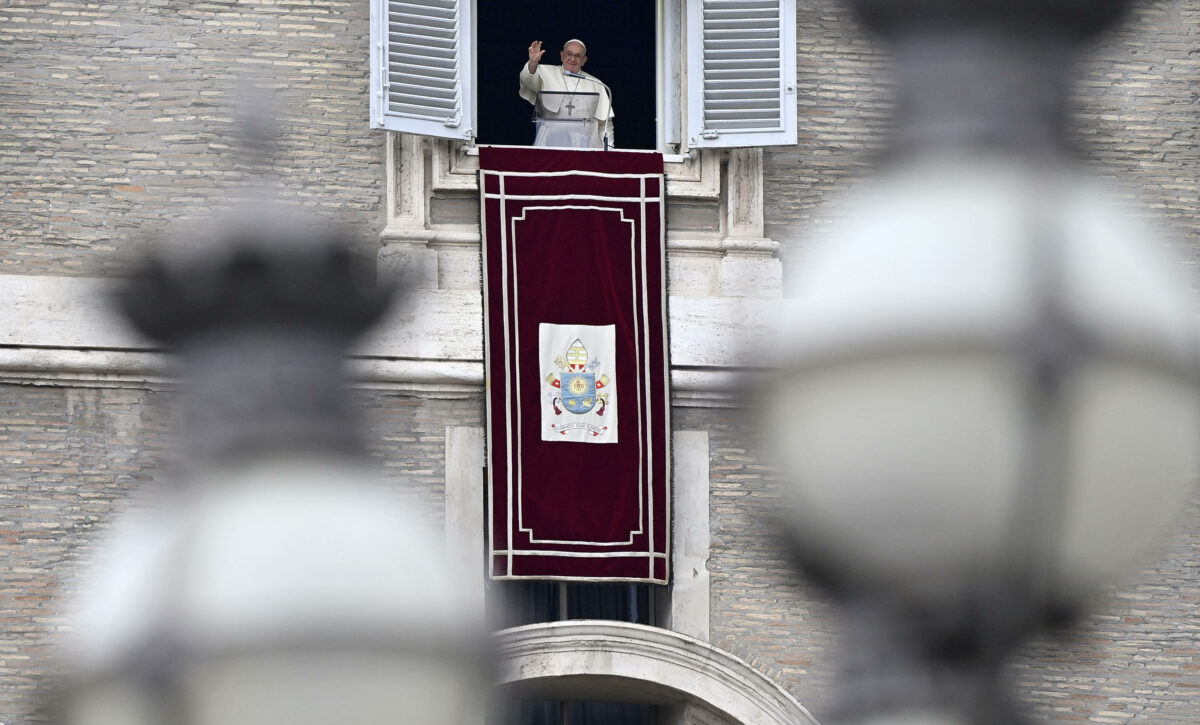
(560,86)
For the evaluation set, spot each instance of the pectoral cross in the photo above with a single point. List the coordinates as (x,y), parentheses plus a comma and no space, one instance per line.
(570,105)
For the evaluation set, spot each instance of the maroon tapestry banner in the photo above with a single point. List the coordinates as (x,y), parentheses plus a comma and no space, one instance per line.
(576,356)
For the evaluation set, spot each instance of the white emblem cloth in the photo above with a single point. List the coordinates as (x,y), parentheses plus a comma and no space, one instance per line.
(578,369)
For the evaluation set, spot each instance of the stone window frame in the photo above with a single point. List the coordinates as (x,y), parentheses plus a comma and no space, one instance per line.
(731,257)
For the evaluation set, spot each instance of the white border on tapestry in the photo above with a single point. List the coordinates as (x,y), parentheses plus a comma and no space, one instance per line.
(666,369)
(502,198)
(644,481)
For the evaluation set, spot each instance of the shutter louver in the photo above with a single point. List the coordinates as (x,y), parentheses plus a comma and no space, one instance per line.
(420,65)
(741,72)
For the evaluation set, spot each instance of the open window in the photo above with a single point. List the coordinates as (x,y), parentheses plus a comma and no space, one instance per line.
(622,52)
(723,71)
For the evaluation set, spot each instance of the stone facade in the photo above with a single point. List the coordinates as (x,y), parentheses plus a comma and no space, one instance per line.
(116,120)
(71,457)
(1135,112)
(114,128)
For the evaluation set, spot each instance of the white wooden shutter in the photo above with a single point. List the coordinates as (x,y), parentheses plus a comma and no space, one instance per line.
(741,72)
(422,67)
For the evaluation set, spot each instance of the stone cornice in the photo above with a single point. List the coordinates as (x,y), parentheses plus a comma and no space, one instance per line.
(58,332)
(446,379)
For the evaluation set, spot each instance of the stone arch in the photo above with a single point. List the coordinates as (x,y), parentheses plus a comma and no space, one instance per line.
(595,659)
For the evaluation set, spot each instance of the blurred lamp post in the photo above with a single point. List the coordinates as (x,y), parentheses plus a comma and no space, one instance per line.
(280,582)
(988,403)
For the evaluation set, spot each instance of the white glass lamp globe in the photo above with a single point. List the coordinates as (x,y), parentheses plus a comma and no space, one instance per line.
(922,452)
(282,591)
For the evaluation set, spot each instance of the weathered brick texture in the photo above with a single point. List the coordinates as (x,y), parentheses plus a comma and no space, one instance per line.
(1136,117)
(71,459)
(1136,655)
(115,121)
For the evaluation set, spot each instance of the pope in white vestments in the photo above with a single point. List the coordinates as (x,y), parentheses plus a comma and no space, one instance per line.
(567,90)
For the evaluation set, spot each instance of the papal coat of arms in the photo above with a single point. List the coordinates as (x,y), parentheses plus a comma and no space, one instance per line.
(579,392)
(579,388)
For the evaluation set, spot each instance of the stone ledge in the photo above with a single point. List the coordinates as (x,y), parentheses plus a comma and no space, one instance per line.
(446,379)
(59,332)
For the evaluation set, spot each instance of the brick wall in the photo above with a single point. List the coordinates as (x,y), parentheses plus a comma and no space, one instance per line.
(1138,118)
(1135,657)
(114,120)
(71,458)
(1136,114)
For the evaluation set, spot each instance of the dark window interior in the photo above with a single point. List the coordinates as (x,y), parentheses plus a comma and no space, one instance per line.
(620,46)
(549,601)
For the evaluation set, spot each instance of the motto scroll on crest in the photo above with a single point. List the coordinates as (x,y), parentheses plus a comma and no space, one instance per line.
(577,370)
